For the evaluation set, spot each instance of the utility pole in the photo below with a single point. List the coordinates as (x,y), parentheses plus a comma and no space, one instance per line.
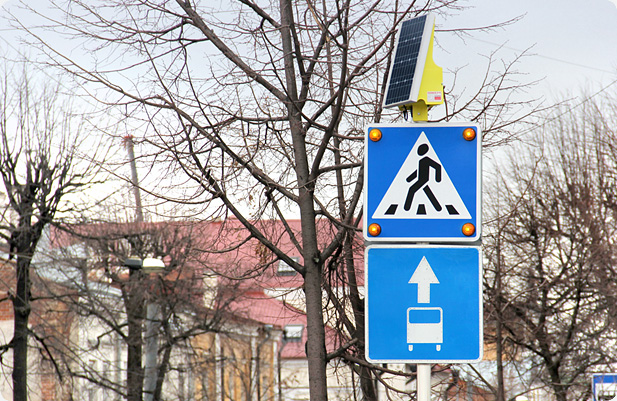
(144,380)
(135,303)
(128,141)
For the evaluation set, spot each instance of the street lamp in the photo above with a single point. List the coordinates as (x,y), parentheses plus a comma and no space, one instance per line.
(135,373)
(147,265)
(152,265)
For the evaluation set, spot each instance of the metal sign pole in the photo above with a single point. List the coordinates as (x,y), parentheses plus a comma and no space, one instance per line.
(406,210)
(424,382)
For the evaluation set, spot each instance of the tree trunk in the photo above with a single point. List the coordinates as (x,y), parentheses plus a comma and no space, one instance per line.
(560,390)
(501,392)
(21,309)
(316,339)
(162,369)
(561,393)
(367,378)
(135,311)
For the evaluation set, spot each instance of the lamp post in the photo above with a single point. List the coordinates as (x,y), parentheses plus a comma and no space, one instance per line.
(151,266)
(135,310)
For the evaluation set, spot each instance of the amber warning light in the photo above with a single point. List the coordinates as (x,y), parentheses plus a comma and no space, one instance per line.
(469,229)
(374,135)
(374,229)
(469,134)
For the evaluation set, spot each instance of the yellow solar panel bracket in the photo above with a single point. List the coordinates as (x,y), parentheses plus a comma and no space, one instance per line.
(426,89)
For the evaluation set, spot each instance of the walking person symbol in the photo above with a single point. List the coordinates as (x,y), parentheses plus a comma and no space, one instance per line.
(422,177)
(422,187)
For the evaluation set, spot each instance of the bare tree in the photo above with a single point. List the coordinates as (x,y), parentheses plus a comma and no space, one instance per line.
(104,299)
(551,253)
(41,166)
(258,111)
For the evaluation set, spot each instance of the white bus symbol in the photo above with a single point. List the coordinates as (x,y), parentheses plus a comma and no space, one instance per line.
(425,326)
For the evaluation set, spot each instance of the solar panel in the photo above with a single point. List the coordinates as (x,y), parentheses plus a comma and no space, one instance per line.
(409,58)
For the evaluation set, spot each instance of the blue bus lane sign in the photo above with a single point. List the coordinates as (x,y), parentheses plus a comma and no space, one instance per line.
(424,304)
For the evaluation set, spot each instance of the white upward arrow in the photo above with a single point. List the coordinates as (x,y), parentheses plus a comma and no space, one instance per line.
(424,277)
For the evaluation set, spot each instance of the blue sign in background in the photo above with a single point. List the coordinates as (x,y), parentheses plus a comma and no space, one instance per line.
(389,295)
(599,379)
(460,159)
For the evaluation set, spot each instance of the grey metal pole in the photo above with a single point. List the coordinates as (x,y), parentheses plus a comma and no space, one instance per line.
(139,216)
(150,373)
(424,382)
(148,385)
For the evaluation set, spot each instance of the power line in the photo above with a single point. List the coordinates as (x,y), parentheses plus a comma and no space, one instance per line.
(503,46)
(569,109)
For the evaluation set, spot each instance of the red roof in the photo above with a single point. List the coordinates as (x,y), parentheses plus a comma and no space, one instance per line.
(226,248)
(258,306)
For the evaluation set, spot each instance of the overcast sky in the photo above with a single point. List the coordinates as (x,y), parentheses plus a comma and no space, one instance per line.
(573,43)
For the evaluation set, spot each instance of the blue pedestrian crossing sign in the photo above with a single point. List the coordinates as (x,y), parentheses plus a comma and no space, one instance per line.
(422,183)
(423,304)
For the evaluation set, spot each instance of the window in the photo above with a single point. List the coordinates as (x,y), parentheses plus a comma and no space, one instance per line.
(284,269)
(293,332)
